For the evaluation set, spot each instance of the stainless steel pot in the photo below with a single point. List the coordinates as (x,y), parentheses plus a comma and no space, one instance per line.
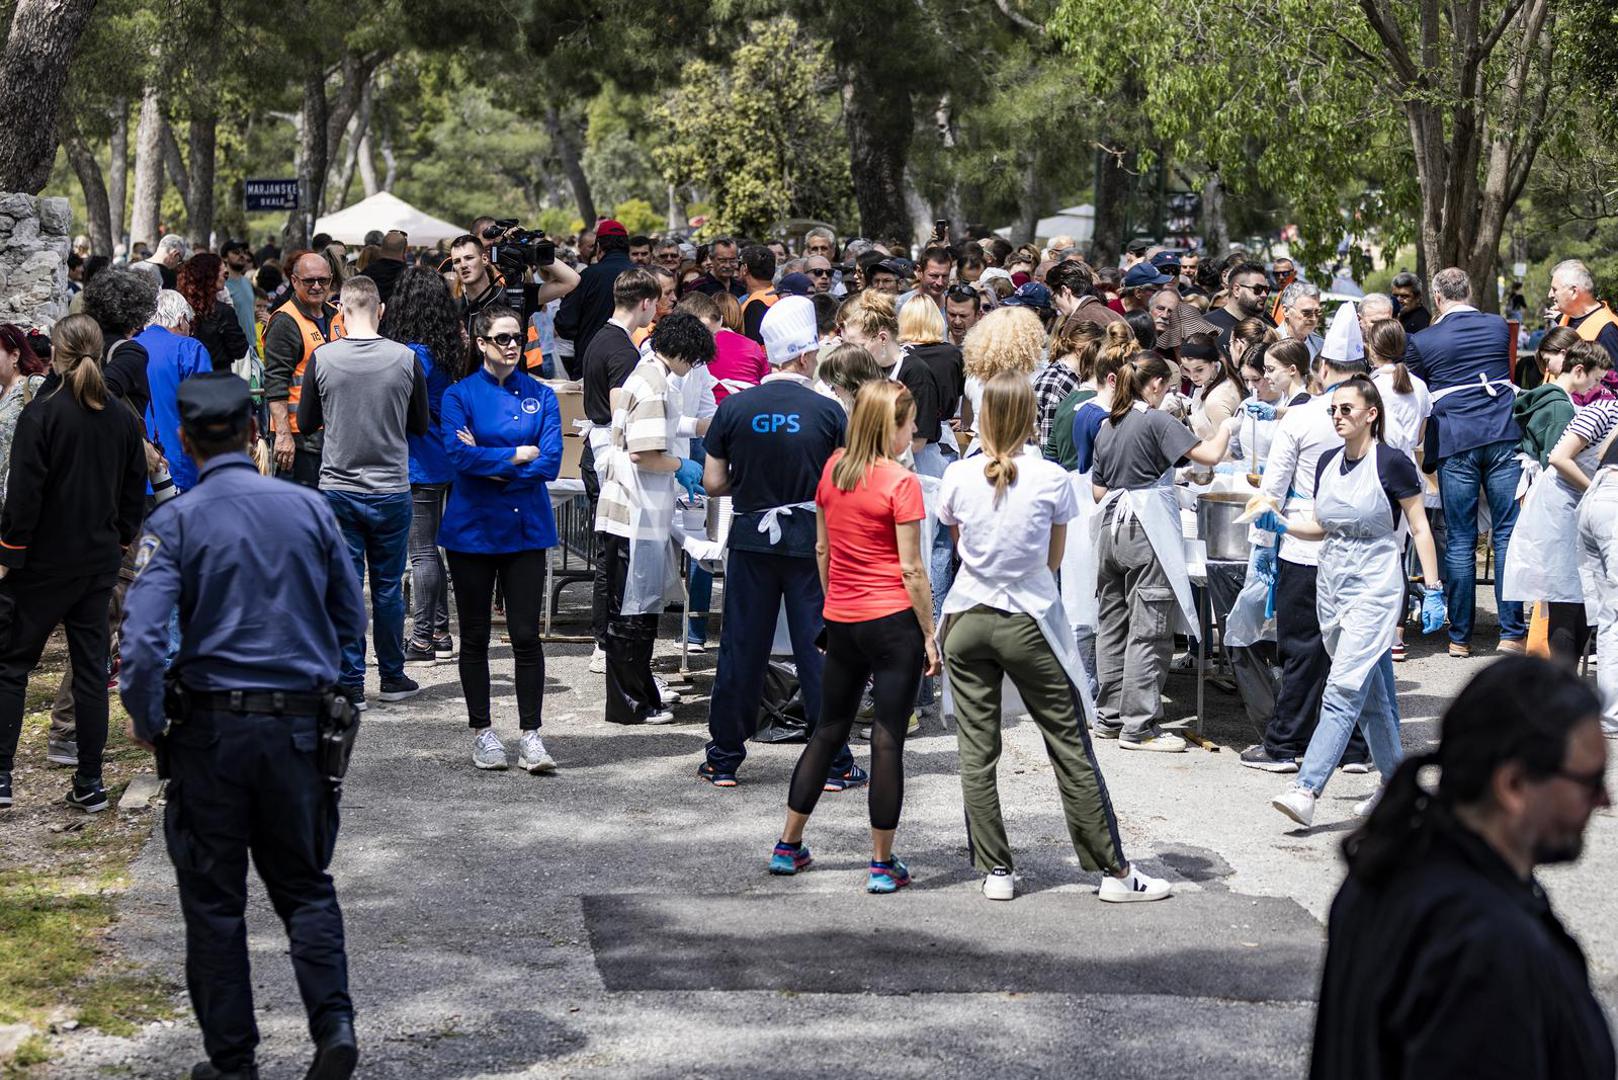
(1217,512)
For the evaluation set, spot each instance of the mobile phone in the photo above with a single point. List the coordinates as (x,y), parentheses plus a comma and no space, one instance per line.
(941,229)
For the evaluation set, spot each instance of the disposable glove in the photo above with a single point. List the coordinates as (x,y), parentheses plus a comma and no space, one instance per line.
(1433,612)
(1264,564)
(1270,521)
(1261,410)
(689,476)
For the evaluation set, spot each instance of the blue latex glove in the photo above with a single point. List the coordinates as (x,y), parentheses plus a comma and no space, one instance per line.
(1261,410)
(689,476)
(1433,612)
(1270,521)
(1264,564)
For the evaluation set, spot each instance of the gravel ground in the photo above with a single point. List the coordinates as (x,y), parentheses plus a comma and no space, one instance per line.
(615,919)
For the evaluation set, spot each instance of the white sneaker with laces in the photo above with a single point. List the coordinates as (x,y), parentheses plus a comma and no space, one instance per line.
(1363,808)
(1160,742)
(531,754)
(1000,884)
(661,716)
(1133,888)
(488,752)
(666,693)
(598,661)
(1297,803)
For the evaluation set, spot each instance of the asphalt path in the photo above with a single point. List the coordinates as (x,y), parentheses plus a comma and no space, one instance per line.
(616,919)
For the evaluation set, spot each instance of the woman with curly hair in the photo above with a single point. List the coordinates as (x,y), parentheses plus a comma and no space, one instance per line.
(422,315)
(1006,339)
(201,280)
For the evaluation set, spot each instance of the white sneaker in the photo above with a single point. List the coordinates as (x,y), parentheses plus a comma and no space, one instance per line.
(1357,768)
(531,754)
(1001,884)
(1363,808)
(598,661)
(488,752)
(1136,888)
(1160,743)
(1296,803)
(661,716)
(665,693)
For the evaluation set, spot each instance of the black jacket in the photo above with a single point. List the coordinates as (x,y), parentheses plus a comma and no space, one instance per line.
(1455,968)
(77,488)
(385,272)
(221,334)
(587,308)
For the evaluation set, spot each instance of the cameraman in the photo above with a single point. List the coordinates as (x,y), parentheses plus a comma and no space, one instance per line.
(483,282)
(586,309)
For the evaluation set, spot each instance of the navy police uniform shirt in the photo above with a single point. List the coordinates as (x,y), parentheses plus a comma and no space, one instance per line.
(775,438)
(264,582)
(496,507)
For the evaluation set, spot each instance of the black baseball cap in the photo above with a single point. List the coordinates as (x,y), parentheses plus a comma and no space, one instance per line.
(215,404)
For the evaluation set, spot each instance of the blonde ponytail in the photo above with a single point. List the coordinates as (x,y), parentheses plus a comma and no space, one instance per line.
(76,355)
(1005,426)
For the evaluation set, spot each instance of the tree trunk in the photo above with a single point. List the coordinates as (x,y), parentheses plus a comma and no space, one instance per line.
(878,118)
(1025,229)
(174,162)
(949,208)
(367,163)
(39,51)
(1215,229)
(88,170)
(391,176)
(359,127)
(565,138)
(118,169)
(677,218)
(202,140)
(1111,207)
(147,203)
(313,161)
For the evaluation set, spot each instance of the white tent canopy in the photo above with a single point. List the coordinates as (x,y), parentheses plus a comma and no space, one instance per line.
(1079,222)
(383,211)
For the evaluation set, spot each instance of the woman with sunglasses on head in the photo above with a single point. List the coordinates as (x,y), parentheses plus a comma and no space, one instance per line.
(502,432)
(1362,491)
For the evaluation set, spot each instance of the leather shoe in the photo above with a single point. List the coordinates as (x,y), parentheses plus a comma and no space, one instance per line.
(207,1070)
(336,1053)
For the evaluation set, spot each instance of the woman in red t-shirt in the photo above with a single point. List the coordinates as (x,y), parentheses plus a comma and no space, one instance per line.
(879,621)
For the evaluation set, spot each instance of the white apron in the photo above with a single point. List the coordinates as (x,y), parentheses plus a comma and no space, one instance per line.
(1600,601)
(1252,615)
(1542,562)
(1079,557)
(1038,597)
(1360,594)
(1158,511)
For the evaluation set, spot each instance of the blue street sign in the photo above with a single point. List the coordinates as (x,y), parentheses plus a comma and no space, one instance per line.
(270,195)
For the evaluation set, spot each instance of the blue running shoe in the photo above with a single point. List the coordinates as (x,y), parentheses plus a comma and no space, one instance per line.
(887,877)
(789,860)
(853,778)
(706,771)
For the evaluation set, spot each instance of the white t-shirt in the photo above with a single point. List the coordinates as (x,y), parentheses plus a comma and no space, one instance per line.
(1012,541)
(1403,414)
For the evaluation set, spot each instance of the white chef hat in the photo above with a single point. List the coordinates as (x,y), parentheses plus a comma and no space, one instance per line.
(789,330)
(1344,341)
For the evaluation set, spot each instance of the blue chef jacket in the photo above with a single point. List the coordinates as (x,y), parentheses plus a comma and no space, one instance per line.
(495,507)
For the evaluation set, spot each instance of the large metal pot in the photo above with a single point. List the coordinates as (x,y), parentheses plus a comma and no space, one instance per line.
(1217,512)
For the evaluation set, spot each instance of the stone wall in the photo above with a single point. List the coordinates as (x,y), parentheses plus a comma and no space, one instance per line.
(35,236)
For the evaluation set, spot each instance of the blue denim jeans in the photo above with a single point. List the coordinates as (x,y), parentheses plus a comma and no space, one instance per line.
(377,530)
(1373,708)
(1484,473)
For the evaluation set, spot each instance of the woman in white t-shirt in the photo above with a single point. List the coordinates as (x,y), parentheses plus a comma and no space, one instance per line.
(1407,405)
(1008,508)
(1006,339)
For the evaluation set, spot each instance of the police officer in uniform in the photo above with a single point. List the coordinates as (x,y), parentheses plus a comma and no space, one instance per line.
(243,724)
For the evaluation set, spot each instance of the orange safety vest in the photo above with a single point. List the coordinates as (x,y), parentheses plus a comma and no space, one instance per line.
(766,295)
(313,339)
(1595,322)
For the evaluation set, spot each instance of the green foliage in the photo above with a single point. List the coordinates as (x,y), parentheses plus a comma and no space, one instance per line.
(637,216)
(759,138)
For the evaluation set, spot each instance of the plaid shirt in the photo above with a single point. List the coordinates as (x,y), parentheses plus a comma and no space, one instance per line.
(1052,383)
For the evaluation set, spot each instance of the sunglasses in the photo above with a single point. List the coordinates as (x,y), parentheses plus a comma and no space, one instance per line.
(1593,783)
(1257,290)
(961,292)
(820,273)
(315,282)
(505,341)
(1343,410)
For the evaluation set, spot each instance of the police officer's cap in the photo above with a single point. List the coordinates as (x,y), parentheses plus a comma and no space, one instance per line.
(215,404)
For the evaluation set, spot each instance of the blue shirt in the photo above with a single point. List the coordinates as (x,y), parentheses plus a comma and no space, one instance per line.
(429,464)
(266,589)
(496,507)
(171,359)
(1087,420)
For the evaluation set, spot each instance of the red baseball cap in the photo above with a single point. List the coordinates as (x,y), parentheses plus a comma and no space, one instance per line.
(610,227)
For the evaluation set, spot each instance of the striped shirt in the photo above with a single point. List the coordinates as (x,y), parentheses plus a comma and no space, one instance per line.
(1594,422)
(640,506)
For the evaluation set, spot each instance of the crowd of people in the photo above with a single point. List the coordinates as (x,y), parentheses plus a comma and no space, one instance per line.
(932,475)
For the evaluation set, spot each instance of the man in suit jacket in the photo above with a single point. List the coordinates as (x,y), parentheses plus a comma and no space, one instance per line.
(1465,358)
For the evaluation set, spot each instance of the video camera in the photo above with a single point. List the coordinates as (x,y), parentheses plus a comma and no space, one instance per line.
(536,248)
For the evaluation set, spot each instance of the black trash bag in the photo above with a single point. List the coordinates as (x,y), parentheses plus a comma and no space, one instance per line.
(781,715)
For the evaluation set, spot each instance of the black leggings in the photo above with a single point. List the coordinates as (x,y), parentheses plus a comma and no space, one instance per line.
(889,651)
(1569,633)
(522,576)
